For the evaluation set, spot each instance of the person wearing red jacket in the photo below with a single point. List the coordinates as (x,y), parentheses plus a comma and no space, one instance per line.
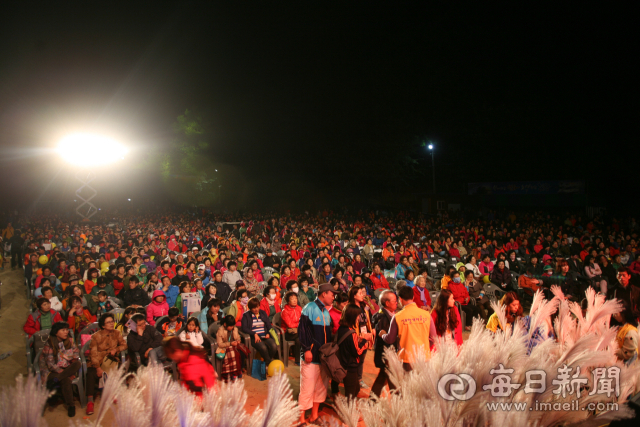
(271,302)
(41,319)
(196,373)
(378,279)
(421,294)
(290,319)
(461,296)
(446,317)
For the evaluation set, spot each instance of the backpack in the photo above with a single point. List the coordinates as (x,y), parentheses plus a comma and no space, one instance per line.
(329,359)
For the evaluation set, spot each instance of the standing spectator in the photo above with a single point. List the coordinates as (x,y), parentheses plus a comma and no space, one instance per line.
(290,319)
(17,242)
(106,346)
(144,339)
(352,350)
(446,317)
(382,320)
(59,363)
(357,295)
(419,332)
(314,330)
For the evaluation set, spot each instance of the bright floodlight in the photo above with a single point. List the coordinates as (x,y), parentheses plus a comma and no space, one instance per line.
(83,149)
(430,146)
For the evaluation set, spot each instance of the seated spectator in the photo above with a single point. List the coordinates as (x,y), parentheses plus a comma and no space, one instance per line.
(196,373)
(257,325)
(501,276)
(103,285)
(324,276)
(104,304)
(135,296)
(92,279)
(78,317)
(302,299)
(486,267)
(50,294)
(60,362)
(210,292)
(513,312)
(192,333)
(122,323)
(446,317)
(46,273)
(446,279)
(158,307)
(170,326)
(232,275)
(305,286)
(421,295)
(185,288)
(43,318)
(476,291)
(290,319)
(462,297)
(285,276)
(271,303)
(105,348)
(251,282)
(212,313)
(144,339)
(378,279)
(228,339)
(239,306)
(224,292)
(472,265)
(180,276)
(409,277)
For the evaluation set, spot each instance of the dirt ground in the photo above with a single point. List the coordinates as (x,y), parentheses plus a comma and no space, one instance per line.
(13,313)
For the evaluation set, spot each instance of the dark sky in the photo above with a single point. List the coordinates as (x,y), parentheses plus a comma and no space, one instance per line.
(312,97)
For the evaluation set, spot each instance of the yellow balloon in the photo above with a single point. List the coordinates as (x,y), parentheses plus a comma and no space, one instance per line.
(104,266)
(53,246)
(43,259)
(275,367)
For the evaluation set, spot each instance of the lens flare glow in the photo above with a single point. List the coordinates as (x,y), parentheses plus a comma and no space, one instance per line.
(83,149)
(430,146)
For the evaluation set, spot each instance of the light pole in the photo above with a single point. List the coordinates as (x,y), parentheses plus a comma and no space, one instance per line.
(89,151)
(433,168)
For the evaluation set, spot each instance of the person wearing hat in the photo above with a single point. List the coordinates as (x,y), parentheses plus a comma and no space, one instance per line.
(43,318)
(60,362)
(146,260)
(271,260)
(314,330)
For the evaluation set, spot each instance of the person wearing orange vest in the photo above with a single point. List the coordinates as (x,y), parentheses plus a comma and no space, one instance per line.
(412,327)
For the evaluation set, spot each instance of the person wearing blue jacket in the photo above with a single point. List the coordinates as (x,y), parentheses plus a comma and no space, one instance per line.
(170,291)
(314,330)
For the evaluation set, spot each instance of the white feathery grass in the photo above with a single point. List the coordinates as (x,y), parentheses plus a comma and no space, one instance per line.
(225,405)
(23,406)
(112,387)
(189,414)
(279,409)
(158,394)
(347,410)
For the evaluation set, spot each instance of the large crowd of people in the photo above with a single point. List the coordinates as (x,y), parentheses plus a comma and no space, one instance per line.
(306,279)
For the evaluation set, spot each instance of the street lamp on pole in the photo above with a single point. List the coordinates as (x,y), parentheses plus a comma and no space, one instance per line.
(433,167)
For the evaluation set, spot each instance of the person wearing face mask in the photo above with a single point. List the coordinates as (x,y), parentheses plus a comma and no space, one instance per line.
(461,295)
(239,306)
(271,303)
(293,286)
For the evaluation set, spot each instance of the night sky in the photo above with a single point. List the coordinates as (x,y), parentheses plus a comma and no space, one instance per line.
(310,100)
